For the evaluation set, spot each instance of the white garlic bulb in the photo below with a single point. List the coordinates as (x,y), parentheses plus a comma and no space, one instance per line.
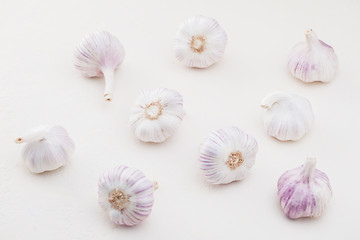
(100,54)
(126,195)
(287,116)
(46,148)
(227,155)
(200,42)
(313,60)
(304,191)
(157,114)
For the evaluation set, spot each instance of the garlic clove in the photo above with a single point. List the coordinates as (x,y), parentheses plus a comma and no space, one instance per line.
(313,60)
(100,54)
(46,148)
(156,115)
(304,191)
(126,195)
(287,116)
(200,42)
(227,155)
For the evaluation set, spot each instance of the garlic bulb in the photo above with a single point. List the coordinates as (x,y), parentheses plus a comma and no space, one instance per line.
(304,191)
(287,116)
(200,42)
(126,195)
(156,114)
(46,148)
(227,155)
(100,54)
(313,60)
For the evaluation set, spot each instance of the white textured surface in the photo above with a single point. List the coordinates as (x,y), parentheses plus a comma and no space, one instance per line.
(39,85)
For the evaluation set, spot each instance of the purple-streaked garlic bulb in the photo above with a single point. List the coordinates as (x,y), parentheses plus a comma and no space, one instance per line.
(313,60)
(100,54)
(156,114)
(288,117)
(227,155)
(126,195)
(304,191)
(46,148)
(200,42)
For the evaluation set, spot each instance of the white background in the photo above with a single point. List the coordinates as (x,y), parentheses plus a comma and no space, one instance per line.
(39,85)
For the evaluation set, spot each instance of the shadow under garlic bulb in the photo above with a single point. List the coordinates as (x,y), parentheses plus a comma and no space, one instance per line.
(313,60)
(304,191)
(100,54)
(227,155)
(200,42)
(46,148)
(126,195)
(156,115)
(287,117)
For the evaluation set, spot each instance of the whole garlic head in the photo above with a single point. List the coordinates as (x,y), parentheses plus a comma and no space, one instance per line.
(46,148)
(100,54)
(157,114)
(227,155)
(287,116)
(126,195)
(200,42)
(313,60)
(304,191)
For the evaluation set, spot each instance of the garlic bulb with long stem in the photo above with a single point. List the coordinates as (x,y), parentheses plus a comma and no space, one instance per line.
(227,155)
(46,148)
(100,54)
(287,116)
(313,60)
(157,114)
(126,195)
(200,42)
(304,191)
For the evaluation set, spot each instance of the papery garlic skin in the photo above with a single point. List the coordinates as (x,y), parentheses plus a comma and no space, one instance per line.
(157,114)
(126,195)
(313,60)
(304,191)
(288,117)
(46,148)
(200,42)
(227,155)
(100,54)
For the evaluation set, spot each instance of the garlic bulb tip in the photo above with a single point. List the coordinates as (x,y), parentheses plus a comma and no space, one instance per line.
(107,97)
(265,106)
